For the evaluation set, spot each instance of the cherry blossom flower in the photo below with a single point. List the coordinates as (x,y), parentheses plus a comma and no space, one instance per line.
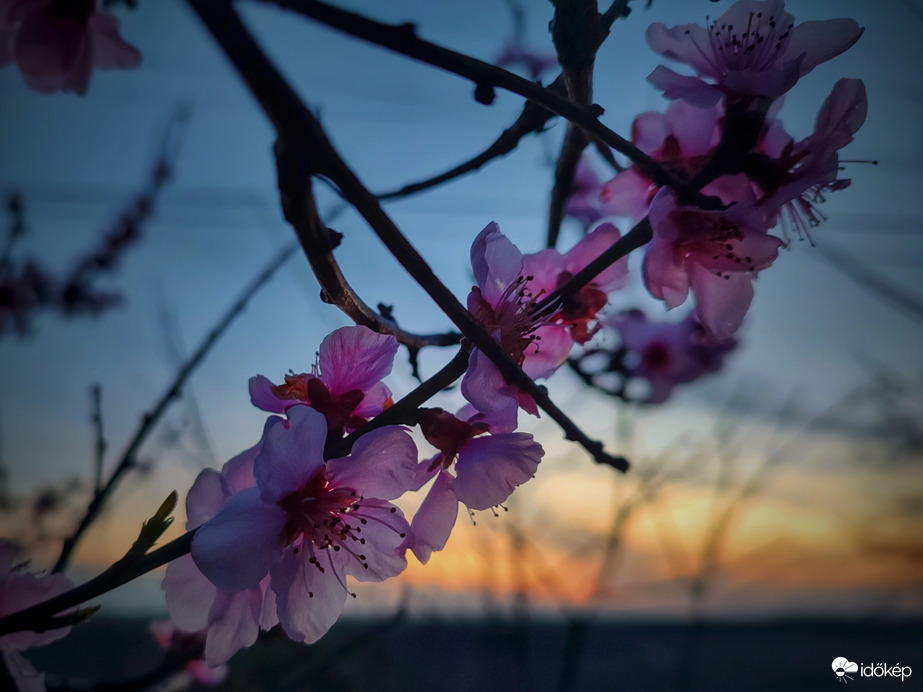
(232,620)
(715,253)
(345,383)
(509,286)
(20,589)
(487,470)
(308,524)
(799,174)
(680,139)
(515,54)
(57,43)
(584,203)
(178,642)
(754,49)
(666,354)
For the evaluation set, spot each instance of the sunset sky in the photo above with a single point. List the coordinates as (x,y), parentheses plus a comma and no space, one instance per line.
(834,521)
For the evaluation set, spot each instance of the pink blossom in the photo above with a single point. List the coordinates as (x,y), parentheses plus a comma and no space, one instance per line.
(509,286)
(20,589)
(514,54)
(487,470)
(753,49)
(666,354)
(715,253)
(308,524)
(177,642)
(345,383)
(57,44)
(680,139)
(583,203)
(800,173)
(231,620)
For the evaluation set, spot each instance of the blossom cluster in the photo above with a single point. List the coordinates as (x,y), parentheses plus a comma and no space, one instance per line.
(57,43)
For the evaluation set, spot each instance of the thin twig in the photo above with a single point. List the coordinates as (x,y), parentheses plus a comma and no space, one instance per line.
(173,391)
(96,417)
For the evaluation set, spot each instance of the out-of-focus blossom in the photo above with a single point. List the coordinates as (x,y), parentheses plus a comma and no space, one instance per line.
(232,619)
(584,202)
(666,354)
(21,589)
(715,253)
(487,468)
(344,384)
(754,49)
(57,43)
(186,644)
(308,524)
(509,286)
(680,139)
(514,54)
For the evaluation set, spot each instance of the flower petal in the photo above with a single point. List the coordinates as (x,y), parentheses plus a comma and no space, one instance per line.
(308,601)
(489,468)
(496,262)
(355,358)
(205,498)
(236,548)
(690,89)
(382,464)
(433,522)
(292,453)
(233,623)
(262,397)
(820,41)
(188,593)
(720,301)
(591,246)
(384,530)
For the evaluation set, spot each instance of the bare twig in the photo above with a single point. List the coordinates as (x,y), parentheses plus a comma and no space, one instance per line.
(97,419)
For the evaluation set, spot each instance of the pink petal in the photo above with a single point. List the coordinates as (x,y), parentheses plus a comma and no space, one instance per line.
(549,352)
(819,41)
(696,129)
(233,624)
(496,262)
(490,467)
(309,601)
(355,358)
(236,549)
(269,617)
(720,303)
(591,246)
(52,52)
(665,273)
(262,397)
(292,453)
(627,194)
(384,532)
(544,267)
(433,522)
(189,594)
(688,43)
(22,589)
(488,392)
(110,51)
(238,472)
(374,402)
(382,464)
(23,673)
(690,89)
(205,498)
(649,130)
(842,114)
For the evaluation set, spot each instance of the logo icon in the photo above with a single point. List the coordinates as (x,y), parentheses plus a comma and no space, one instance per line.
(841,667)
